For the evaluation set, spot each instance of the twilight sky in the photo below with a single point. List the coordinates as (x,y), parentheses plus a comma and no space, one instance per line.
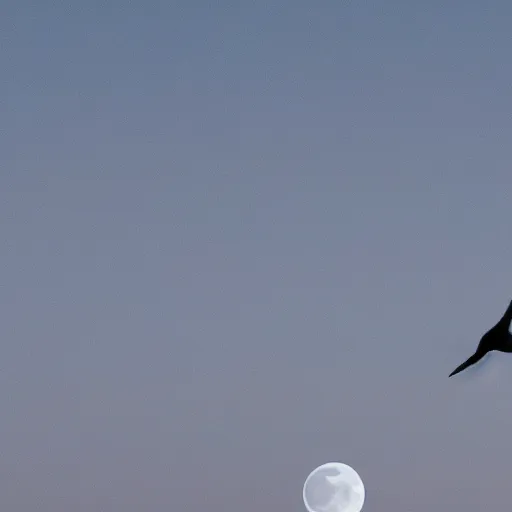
(242,239)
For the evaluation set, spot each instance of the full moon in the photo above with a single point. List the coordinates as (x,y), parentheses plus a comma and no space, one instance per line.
(333,487)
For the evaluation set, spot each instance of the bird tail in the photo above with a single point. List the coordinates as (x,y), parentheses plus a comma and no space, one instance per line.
(471,361)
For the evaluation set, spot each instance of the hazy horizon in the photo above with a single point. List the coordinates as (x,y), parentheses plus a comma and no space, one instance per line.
(245,240)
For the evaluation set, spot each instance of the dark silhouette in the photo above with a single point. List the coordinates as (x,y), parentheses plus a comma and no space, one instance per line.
(498,338)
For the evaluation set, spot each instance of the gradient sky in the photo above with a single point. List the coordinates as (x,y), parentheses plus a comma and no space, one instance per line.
(244,239)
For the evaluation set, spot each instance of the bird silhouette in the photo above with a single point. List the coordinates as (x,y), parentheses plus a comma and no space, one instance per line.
(497,338)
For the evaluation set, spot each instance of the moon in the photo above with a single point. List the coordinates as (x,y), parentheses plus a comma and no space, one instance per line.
(333,487)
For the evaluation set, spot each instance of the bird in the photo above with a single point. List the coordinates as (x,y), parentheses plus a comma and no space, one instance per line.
(497,338)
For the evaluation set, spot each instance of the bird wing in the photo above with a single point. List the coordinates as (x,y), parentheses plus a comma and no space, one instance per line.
(471,361)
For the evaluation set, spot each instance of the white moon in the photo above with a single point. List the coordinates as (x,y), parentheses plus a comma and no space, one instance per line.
(333,487)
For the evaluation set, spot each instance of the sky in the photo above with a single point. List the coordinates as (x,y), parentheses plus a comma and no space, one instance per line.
(242,239)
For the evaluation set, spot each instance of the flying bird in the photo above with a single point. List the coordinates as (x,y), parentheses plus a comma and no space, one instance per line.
(497,338)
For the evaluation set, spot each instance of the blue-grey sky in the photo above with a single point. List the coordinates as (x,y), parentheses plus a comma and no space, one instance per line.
(244,239)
